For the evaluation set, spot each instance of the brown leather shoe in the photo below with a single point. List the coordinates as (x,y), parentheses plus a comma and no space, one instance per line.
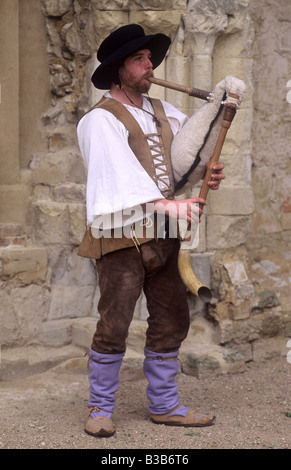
(191,419)
(100,426)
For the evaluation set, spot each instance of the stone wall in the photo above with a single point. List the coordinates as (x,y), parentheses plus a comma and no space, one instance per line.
(48,294)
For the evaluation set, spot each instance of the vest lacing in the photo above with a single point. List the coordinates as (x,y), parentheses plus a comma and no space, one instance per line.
(161,171)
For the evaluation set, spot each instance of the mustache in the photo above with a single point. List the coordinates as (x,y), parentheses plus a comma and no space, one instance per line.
(149,74)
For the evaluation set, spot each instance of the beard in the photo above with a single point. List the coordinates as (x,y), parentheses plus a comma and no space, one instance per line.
(141,85)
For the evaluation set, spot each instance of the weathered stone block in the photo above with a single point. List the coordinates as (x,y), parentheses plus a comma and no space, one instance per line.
(235,178)
(10,230)
(12,234)
(266,221)
(70,301)
(272,324)
(51,222)
(226,231)
(231,200)
(56,333)
(31,307)
(267,298)
(286,221)
(70,269)
(137,311)
(56,7)
(26,264)
(270,348)
(56,168)
(200,365)
(238,38)
(106,20)
(239,67)
(237,331)
(83,330)
(143,315)
(200,264)
(15,202)
(41,192)
(286,317)
(27,360)
(236,272)
(9,332)
(138,5)
(203,361)
(77,223)
(237,293)
(61,79)
(70,192)
(152,21)
(237,304)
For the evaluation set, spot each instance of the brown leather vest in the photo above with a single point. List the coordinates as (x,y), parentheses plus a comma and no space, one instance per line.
(141,146)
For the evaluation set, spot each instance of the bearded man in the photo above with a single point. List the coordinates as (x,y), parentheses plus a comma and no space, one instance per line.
(125,142)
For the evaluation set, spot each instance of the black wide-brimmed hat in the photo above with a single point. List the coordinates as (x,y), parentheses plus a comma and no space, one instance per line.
(119,45)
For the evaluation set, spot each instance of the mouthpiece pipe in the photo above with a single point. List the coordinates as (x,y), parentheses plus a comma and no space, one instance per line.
(195,92)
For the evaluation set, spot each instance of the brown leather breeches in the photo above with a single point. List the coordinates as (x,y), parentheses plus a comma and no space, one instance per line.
(123,275)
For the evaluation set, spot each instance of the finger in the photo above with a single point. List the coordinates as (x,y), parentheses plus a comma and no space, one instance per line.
(194,213)
(198,200)
(213,184)
(218,167)
(195,207)
(217,176)
(194,218)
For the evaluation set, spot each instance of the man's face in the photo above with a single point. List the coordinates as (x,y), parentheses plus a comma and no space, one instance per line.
(135,70)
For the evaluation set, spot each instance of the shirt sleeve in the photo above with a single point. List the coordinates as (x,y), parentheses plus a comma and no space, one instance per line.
(116,181)
(176,118)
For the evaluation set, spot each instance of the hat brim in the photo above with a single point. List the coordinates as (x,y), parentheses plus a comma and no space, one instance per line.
(107,71)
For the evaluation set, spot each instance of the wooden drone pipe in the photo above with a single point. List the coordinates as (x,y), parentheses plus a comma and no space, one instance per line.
(195,92)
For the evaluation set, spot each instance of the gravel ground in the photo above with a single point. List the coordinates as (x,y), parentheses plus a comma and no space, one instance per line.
(253,411)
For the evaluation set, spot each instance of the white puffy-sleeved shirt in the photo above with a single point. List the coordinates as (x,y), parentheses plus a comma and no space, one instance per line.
(116,181)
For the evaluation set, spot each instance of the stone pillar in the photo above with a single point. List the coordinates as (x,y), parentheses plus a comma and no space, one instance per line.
(9,80)
(34,84)
(177,71)
(203,28)
(25,95)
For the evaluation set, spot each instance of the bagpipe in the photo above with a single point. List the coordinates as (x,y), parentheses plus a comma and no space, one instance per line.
(196,149)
